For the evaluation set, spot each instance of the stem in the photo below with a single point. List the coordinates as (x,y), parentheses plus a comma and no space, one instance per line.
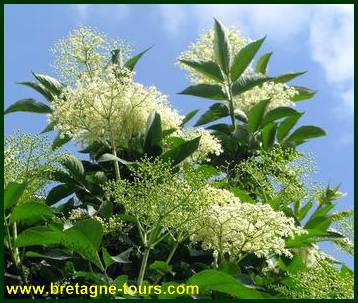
(143,266)
(148,246)
(228,88)
(172,252)
(116,165)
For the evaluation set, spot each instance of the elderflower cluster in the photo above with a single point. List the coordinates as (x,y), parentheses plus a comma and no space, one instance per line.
(236,229)
(280,94)
(320,282)
(84,51)
(203,50)
(159,194)
(29,158)
(110,110)
(208,144)
(109,225)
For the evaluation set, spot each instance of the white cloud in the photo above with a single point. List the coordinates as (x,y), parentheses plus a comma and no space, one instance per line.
(332,46)
(325,30)
(103,12)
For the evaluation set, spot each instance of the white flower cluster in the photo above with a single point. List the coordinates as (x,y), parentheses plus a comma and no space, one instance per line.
(236,229)
(280,94)
(84,51)
(203,50)
(109,225)
(109,109)
(208,144)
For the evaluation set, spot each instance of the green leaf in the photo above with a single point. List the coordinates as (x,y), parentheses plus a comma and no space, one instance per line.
(28,105)
(84,238)
(107,259)
(268,135)
(49,127)
(256,115)
(160,267)
(305,132)
(245,83)
(305,209)
(207,68)
(74,166)
(218,281)
(222,127)
(123,257)
(61,139)
(12,193)
(153,135)
(181,151)
(240,115)
(262,63)
(286,125)
(215,112)
(31,212)
(303,93)
(39,88)
(279,113)
(109,157)
(59,192)
(39,235)
(244,57)
(189,116)
(51,84)
(221,47)
(287,77)
(131,63)
(209,91)
(243,195)
(52,254)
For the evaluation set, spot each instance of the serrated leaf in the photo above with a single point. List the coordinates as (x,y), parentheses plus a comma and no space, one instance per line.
(39,88)
(189,116)
(262,63)
(52,254)
(221,47)
(256,115)
(279,113)
(181,151)
(305,132)
(153,135)
(12,193)
(51,84)
(245,83)
(74,166)
(268,135)
(286,125)
(303,93)
(208,91)
(60,140)
(131,62)
(287,77)
(30,212)
(59,192)
(215,112)
(207,68)
(244,57)
(28,105)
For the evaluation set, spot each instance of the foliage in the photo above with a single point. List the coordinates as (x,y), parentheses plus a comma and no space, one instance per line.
(228,207)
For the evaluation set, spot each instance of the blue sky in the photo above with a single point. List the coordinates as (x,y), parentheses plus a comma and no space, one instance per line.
(313,38)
